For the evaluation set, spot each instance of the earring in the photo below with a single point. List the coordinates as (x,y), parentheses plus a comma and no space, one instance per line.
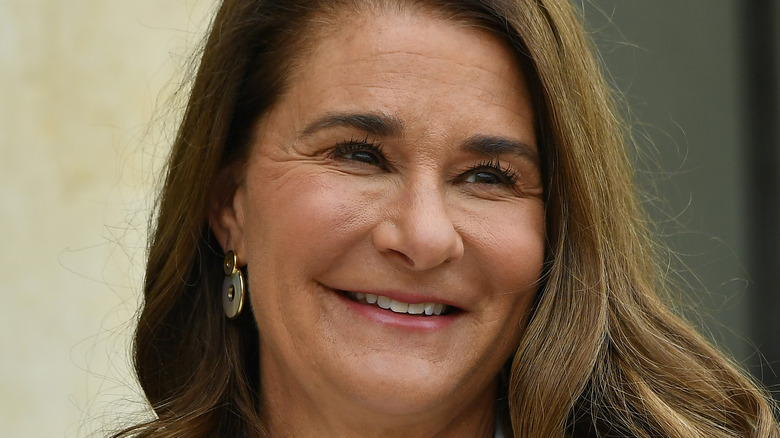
(232,287)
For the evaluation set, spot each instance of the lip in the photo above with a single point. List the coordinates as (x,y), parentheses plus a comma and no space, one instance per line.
(402,321)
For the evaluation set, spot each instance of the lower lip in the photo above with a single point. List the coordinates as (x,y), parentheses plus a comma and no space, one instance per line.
(398,320)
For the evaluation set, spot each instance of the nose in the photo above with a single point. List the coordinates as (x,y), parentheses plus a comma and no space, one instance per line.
(419,231)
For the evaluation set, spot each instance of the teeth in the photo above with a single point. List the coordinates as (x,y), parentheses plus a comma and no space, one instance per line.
(383,302)
(416,309)
(399,307)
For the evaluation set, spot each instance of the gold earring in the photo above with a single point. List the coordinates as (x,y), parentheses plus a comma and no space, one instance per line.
(232,287)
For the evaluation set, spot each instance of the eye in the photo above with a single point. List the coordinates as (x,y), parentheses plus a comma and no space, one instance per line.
(483,177)
(490,172)
(362,151)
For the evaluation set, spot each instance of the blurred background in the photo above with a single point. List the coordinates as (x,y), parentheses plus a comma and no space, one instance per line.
(700,79)
(85,120)
(87,110)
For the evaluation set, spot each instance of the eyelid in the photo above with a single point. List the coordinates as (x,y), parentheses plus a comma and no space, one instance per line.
(355,143)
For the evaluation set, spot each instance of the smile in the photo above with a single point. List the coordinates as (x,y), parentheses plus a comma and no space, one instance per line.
(381,301)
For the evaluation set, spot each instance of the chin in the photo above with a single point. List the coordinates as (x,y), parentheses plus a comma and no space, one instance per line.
(409,386)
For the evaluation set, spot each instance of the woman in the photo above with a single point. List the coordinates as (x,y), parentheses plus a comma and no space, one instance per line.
(416,218)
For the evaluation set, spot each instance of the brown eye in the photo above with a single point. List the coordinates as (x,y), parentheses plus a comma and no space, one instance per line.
(483,177)
(367,157)
(362,152)
(490,173)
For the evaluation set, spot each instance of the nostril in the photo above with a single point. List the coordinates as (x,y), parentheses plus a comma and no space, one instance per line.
(402,258)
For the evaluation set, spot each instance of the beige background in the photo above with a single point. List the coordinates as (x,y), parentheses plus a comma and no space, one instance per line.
(84,90)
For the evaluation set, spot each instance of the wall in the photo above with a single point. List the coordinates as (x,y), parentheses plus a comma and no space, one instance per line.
(701,80)
(80,141)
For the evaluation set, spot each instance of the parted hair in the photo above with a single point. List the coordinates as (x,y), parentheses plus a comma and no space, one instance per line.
(619,364)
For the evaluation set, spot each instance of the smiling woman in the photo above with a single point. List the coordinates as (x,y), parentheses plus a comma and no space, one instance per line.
(429,229)
(362,202)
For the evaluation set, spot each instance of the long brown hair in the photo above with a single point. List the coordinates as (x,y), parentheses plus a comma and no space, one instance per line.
(619,363)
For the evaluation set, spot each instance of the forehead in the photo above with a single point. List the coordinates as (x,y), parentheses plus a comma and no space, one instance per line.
(372,51)
(355,20)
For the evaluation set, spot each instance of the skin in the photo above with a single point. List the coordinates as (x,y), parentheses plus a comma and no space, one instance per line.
(424,219)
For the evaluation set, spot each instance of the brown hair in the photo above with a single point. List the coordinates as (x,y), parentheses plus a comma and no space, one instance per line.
(620,363)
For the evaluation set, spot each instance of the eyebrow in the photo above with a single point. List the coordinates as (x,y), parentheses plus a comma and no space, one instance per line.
(384,125)
(379,124)
(494,146)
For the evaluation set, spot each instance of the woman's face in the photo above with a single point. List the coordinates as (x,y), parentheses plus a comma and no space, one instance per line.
(392,221)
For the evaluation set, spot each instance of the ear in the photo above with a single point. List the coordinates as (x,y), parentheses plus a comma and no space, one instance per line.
(226,212)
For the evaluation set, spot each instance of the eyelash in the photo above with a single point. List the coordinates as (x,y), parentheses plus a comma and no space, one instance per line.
(352,145)
(505,173)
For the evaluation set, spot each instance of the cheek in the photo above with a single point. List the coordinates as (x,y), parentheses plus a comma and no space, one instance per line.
(305,217)
(510,241)
(507,244)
